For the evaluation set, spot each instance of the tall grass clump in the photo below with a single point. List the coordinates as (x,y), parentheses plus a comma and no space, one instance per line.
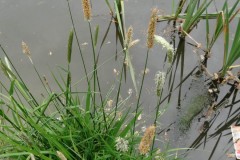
(71,125)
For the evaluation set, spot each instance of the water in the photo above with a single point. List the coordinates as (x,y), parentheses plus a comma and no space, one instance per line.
(45,25)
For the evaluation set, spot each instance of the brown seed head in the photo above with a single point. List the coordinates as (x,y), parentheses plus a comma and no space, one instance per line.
(25,49)
(86,9)
(152,28)
(129,35)
(146,140)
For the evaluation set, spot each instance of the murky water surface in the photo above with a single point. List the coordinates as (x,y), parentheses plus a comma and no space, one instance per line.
(44,25)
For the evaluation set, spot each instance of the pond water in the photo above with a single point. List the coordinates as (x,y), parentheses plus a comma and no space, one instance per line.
(44,25)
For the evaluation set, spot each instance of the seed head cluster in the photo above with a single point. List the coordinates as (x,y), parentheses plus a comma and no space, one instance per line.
(168,46)
(129,35)
(159,81)
(86,9)
(146,140)
(25,49)
(121,144)
(152,28)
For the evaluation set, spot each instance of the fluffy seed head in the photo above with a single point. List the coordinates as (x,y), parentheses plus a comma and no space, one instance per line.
(121,144)
(168,46)
(146,140)
(86,9)
(152,28)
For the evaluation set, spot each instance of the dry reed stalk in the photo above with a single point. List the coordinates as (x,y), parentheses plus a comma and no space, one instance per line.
(86,9)
(146,140)
(152,28)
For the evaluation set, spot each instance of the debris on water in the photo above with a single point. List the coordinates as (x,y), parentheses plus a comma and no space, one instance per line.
(203,127)
(116,72)
(146,71)
(230,155)
(108,42)
(84,44)
(130,91)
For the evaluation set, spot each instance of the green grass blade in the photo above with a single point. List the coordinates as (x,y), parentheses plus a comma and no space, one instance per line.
(11,90)
(109,6)
(179,8)
(226,35)
(88,104)
(207,30)
(234,52)
(70,41)
(119,19)
(190,10)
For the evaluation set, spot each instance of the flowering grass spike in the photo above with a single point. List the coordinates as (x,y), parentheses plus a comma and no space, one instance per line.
(146,140)
(152,28)
(168,46)
(159,81)
(121,144)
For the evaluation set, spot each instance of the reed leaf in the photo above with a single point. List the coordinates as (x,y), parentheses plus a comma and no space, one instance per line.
(226,35)
(193,16)
(179,8)
(233,13)
(234,53)
(119,20)
(207,30)
(109,6)
(88,106)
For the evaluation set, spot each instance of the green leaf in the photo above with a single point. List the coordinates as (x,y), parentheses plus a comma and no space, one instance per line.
(234,52)
(207,30)
(109,6)
(11,90)
(70,40)
(226,35)
(88,105)
(119,19)
(179,8)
